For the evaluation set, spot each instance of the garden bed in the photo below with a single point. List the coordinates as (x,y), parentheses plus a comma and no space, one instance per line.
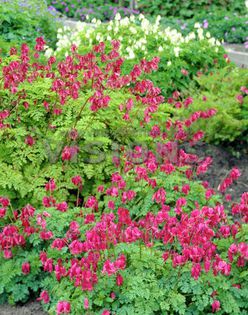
(110,203)
(223,161)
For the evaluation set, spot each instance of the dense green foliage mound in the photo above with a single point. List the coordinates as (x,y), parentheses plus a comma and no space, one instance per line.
(24,20)
(181,58)
(226,91)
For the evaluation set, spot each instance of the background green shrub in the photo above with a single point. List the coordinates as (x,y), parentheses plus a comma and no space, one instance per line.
(99,137)
(193,53)
(187,9)
(24,21)
(221,90)
(107,9)
(223,25)
(102,9)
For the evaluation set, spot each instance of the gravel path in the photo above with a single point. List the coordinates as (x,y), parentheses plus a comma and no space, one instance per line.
(32,308)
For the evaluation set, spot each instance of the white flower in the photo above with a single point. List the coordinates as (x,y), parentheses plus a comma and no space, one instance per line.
(145,24)
(176,51)
(109,28)
(216,49)
(133,30)
(211,41)
(155,28)
(141,17)
(132,18)
(109,37)
(160,48)
(131,54)
(208,35)
(200,33)
(124,22)
(118,17)
(49,52)
(191,36)
(169,63)
(197,25)
(93,21)
(158,18)
(87,17)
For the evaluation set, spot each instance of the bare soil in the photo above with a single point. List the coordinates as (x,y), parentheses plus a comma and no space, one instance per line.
(223,162)
(32,308)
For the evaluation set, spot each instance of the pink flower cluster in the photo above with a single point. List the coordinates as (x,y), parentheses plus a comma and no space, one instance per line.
(187,231)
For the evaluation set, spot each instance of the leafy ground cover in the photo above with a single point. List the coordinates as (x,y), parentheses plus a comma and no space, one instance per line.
(24,20)
(226,89)
(225,20)
(110,203)
(138,233)
(181,58)
(105,10)
(223,25)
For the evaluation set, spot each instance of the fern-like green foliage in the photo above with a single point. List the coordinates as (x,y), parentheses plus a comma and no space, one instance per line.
(152,287)
(25,169)
(221,90)
(15,287)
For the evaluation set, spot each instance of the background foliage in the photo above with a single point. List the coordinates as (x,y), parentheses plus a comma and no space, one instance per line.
(24,20)
(103,10)
(187,9)
(223,25)
(181,58)
(221,90)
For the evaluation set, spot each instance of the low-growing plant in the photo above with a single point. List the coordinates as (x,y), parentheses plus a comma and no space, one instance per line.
(176,251)
(189,8)
(181,57)
(24,21)
(222,25)
(147,239)
(226,91)
(89,9)
(107,9)
(80,110)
